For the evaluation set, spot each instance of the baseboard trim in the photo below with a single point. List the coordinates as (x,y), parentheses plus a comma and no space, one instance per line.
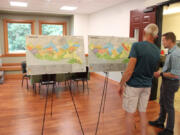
(102,77)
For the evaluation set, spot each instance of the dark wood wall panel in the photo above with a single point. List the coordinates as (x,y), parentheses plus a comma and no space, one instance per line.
(139,20)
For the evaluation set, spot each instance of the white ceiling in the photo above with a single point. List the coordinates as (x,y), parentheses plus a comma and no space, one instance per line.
(172,9)
(53,6)
(149,3)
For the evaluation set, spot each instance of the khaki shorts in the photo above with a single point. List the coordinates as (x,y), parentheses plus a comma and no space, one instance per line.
(135,98)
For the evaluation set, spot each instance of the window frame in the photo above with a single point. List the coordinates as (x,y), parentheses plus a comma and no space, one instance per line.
(6,45)
(53,23)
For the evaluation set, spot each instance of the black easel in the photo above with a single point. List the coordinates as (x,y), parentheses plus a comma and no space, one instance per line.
(103,101)
(47,83)
(44,116)
(70,90)
(48,80)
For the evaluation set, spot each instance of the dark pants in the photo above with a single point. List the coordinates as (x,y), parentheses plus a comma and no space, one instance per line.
(168,90)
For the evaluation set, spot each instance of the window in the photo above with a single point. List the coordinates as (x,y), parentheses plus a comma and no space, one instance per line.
(49,28)
(15,32)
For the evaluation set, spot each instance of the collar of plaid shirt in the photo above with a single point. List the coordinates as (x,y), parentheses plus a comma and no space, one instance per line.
(172,49)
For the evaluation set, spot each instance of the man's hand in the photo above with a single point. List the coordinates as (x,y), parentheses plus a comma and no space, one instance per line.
(157,74)
(127,74)
(121,90)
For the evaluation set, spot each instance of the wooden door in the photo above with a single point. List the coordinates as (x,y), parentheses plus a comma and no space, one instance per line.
(139,20)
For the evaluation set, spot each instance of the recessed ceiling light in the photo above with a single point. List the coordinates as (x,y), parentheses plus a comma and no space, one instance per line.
(69,8)
(171,11)
(18,4)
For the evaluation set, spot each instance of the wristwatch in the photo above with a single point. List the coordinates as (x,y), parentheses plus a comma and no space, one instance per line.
(161,74)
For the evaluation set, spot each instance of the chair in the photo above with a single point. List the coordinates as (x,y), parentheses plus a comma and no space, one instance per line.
(63,77)
(24,71)
(82,76)
(1,77)
(48,79)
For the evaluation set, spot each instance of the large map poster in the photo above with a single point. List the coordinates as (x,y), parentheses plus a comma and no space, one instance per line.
(54,54)
(108,53)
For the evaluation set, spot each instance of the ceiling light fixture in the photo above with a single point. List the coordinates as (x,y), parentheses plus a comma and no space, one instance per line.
(171,11)
(18,4)
(68,8)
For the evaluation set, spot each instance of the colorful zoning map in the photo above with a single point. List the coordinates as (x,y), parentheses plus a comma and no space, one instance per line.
(54,54)
(109,53)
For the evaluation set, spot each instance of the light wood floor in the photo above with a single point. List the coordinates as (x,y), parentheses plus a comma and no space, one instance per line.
(21,111)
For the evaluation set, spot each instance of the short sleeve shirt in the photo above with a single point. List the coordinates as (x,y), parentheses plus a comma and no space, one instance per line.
(148,57)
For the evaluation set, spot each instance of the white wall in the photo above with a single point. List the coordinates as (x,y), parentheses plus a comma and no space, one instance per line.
(71,24)
(114,21)
(171,23)
(81,28)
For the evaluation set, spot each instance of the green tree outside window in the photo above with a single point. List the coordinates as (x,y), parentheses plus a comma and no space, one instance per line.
(17,33)
(52,29)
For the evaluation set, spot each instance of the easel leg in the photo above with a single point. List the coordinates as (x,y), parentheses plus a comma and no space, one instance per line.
(34,88)
(87,86)
(102,101)
(44,118)
(106,87)
(69,83)
(39,88)
(27,82)
(52,96)
(83,85)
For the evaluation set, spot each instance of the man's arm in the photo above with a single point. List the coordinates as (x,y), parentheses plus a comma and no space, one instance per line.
(170,75)
(129,71)
(174,64)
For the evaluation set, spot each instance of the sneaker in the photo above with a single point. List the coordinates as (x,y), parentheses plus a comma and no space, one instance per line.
(166,132)
(156,124)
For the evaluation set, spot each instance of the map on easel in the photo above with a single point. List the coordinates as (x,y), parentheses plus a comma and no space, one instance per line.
(108,53)
(54,54)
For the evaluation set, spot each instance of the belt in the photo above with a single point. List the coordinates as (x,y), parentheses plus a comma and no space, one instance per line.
(170,79)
